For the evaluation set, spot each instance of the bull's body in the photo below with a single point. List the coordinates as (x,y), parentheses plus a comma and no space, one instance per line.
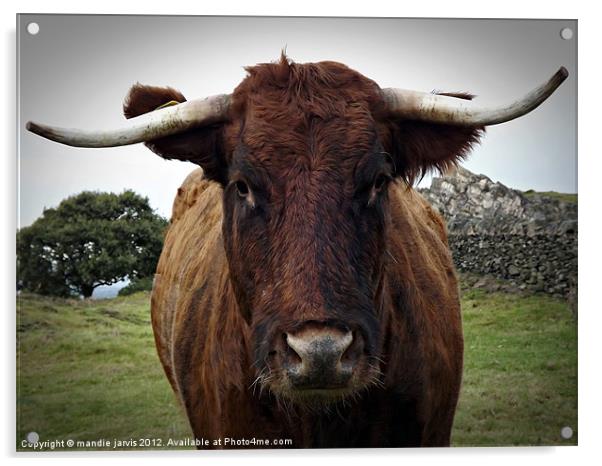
(203,340)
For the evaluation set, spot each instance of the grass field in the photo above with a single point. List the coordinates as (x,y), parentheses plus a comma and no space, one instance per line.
(88,370)
(566,197)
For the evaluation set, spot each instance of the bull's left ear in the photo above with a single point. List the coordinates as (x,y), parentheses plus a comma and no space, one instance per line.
(417,147)
(202,146)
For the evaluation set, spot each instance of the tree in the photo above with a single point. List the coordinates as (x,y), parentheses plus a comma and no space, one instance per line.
(89,240)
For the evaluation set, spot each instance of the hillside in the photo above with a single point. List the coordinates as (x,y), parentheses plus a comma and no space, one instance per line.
(563,197)
(88,370)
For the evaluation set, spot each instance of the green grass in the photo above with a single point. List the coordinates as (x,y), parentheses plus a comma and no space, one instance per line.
(520,371)
(88,370)
(566,197)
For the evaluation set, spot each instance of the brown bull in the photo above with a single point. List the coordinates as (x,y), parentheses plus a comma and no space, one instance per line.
(305,291)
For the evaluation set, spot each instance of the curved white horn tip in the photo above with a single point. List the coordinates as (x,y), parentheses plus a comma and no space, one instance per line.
(560,75)
(33,127)
(40,130)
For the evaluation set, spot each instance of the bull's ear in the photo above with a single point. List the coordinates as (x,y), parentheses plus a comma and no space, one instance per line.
(418,147)
(202,146)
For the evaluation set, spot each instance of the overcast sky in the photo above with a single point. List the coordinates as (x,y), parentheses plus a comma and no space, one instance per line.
(76,71)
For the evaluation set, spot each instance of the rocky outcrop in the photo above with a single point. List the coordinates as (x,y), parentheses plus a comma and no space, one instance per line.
(498,231)
(473,204)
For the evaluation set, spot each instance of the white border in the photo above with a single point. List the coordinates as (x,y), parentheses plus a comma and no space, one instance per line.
(589,190)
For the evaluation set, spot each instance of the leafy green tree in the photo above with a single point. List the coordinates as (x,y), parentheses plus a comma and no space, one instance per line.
(89,240)
(139,284)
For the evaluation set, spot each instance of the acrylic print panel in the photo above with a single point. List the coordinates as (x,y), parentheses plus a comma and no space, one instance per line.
(299,254)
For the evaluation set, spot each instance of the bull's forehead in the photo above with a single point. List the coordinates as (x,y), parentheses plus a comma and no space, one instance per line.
(313,114)
(277,137)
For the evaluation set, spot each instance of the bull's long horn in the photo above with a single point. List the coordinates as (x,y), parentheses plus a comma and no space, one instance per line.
(454,111)
(157,124)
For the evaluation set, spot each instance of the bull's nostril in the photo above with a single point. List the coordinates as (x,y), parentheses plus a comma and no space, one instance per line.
(347,342)
(353,351)
(292,357)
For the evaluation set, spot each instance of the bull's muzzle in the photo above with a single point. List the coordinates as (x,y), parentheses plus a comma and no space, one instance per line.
(319,357)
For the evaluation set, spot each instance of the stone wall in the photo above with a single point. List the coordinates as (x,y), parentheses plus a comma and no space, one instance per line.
(546,263)
(498,231)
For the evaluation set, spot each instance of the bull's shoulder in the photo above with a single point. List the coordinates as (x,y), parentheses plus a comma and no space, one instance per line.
(191,287)
(418,243)
(193,242)
(194,189)
(413,212)
(421,271)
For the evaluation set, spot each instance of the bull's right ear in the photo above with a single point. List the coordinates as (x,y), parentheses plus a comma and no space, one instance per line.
(202,146)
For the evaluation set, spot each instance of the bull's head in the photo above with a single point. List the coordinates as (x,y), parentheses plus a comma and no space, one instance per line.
(305,155)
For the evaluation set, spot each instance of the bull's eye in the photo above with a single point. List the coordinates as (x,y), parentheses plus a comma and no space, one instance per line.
(380,182)
(379,185)
(242,189)
(244,193)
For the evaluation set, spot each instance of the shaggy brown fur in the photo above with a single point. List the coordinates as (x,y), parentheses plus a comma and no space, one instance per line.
(302,213)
